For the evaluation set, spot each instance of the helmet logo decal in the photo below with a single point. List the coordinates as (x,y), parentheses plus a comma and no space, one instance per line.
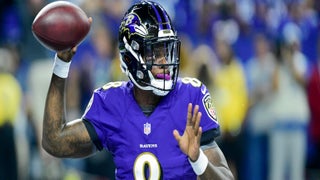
(132,24)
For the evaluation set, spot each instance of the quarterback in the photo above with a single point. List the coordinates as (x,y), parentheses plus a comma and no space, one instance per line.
(156,125)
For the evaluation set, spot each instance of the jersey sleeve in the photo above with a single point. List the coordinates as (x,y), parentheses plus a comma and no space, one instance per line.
(93,134)
(209,121)
(101,117)
(91,119)
(200,95)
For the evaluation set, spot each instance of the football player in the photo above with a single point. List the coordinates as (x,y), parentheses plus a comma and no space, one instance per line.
(151,123)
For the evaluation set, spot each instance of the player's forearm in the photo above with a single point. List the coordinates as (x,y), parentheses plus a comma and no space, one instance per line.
(214,172)
(62,139)
(217,167)
(54,118)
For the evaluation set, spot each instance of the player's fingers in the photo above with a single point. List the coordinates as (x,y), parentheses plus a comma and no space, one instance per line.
(67,54)
(194,115)
(74,50)
(189,115)
(90,20)
(197,123)
(63,56)
(199,135)
(176,135)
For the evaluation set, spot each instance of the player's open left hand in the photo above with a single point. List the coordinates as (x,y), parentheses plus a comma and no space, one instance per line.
(189,142)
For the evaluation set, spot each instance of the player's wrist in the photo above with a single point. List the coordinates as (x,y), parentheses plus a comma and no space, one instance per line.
(60,67)
(200,165)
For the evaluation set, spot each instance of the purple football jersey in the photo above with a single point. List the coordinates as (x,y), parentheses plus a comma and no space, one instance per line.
(145,146)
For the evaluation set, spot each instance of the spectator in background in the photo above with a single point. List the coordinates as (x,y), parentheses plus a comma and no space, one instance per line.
(313,92)
(32,50)
(23,125)
(302,14)
(288,137)
(230,92)
(204,63)
(96,54)
(92,62)
(10,104)
(261,81)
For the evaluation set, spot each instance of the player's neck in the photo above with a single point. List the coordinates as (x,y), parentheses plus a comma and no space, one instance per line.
(146,98)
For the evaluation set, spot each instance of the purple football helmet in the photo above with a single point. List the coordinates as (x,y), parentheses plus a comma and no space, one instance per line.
(145,34)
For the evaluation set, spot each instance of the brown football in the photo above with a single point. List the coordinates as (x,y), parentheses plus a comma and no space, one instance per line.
(60,25)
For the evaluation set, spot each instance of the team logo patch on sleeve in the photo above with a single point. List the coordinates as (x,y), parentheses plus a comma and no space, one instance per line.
(208,106)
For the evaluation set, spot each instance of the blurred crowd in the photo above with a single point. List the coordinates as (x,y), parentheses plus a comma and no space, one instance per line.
(259,58)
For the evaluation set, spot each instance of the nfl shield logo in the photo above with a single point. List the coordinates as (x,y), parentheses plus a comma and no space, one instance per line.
(147,128)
